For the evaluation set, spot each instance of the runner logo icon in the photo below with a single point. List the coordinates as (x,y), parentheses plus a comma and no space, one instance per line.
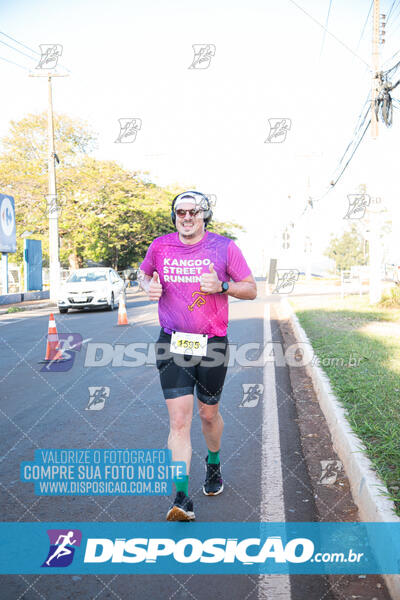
(61,551)
(98,397)
(252,393)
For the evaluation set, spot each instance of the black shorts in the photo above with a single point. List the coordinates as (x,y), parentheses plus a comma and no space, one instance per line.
(180,374)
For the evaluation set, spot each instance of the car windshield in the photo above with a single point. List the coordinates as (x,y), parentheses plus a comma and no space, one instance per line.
(86,276)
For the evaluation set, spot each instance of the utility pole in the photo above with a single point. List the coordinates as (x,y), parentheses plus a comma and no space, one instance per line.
(308,229)
(375,251)
(375,67)
(308,238)
(375,289)
(374,222)
(54,271)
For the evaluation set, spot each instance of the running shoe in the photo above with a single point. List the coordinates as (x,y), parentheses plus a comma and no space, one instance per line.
(182,509)
(213,484)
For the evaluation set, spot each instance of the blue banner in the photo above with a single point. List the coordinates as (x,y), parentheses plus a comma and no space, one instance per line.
(102,472)
(160,548)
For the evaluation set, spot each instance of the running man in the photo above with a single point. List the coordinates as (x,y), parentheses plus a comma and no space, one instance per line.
(62,549)
(191,273)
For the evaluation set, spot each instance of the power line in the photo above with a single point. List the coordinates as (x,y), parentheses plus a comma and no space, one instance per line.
(357,127)
(392,25)
(392,29)
(331,34)
(16,50)
(355,143)
(392,69)
(348,162)
(390,11)
(27,47)
(326,25)
(389,59)
(365,24)
(14,63)
(392,32)
(20,43)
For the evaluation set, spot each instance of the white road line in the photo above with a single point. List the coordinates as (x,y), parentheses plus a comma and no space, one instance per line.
(276,587)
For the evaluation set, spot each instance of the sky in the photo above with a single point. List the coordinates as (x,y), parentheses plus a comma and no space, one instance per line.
(207,128)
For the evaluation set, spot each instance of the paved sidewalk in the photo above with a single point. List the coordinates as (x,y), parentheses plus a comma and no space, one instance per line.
(28,304)
(36,304)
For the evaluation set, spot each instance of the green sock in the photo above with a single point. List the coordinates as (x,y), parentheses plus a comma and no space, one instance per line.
(213,457)
(182,484)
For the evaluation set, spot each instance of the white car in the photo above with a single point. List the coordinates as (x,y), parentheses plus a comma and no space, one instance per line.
(91,287)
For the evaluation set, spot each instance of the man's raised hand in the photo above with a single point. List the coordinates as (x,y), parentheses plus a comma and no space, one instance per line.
(209,282)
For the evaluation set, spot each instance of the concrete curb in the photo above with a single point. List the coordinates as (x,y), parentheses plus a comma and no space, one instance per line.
(3,311)
(18,297)
(366,487)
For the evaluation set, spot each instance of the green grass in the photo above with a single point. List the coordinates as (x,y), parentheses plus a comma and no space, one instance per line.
(369,391)
(391,298)
(14,309)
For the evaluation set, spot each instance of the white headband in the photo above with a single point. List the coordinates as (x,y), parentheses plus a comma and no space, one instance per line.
(185,199)
(190,197)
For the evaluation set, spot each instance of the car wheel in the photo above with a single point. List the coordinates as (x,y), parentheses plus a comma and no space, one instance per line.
(63,310)
(111,305)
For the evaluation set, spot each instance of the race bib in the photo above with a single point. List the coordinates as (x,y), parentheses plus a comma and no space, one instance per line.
(191,344)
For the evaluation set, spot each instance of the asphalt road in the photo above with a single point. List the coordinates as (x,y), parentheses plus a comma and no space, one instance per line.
(263,468)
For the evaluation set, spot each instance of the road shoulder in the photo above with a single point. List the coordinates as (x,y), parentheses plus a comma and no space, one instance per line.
(334,500)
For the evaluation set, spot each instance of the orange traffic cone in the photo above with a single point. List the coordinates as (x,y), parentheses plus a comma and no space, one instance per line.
(52,349)
(122,316)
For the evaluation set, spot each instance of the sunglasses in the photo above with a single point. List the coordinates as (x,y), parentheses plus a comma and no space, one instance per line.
(180,212)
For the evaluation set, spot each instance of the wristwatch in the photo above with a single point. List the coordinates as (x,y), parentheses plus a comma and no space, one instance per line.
(224,287)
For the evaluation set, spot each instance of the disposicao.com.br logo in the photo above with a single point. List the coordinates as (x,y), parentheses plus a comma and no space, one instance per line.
(213,548)
(191,550)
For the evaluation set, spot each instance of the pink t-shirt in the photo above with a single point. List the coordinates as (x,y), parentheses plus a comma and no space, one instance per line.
(183,306)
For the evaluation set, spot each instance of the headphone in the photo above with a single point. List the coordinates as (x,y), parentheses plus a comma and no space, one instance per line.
(204,203)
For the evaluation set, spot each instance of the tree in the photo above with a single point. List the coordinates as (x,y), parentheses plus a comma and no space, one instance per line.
(108,214)
(347,250)
(23,167)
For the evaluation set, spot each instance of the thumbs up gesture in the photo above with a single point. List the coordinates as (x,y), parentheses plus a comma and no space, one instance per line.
(155,287)
(209,282)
